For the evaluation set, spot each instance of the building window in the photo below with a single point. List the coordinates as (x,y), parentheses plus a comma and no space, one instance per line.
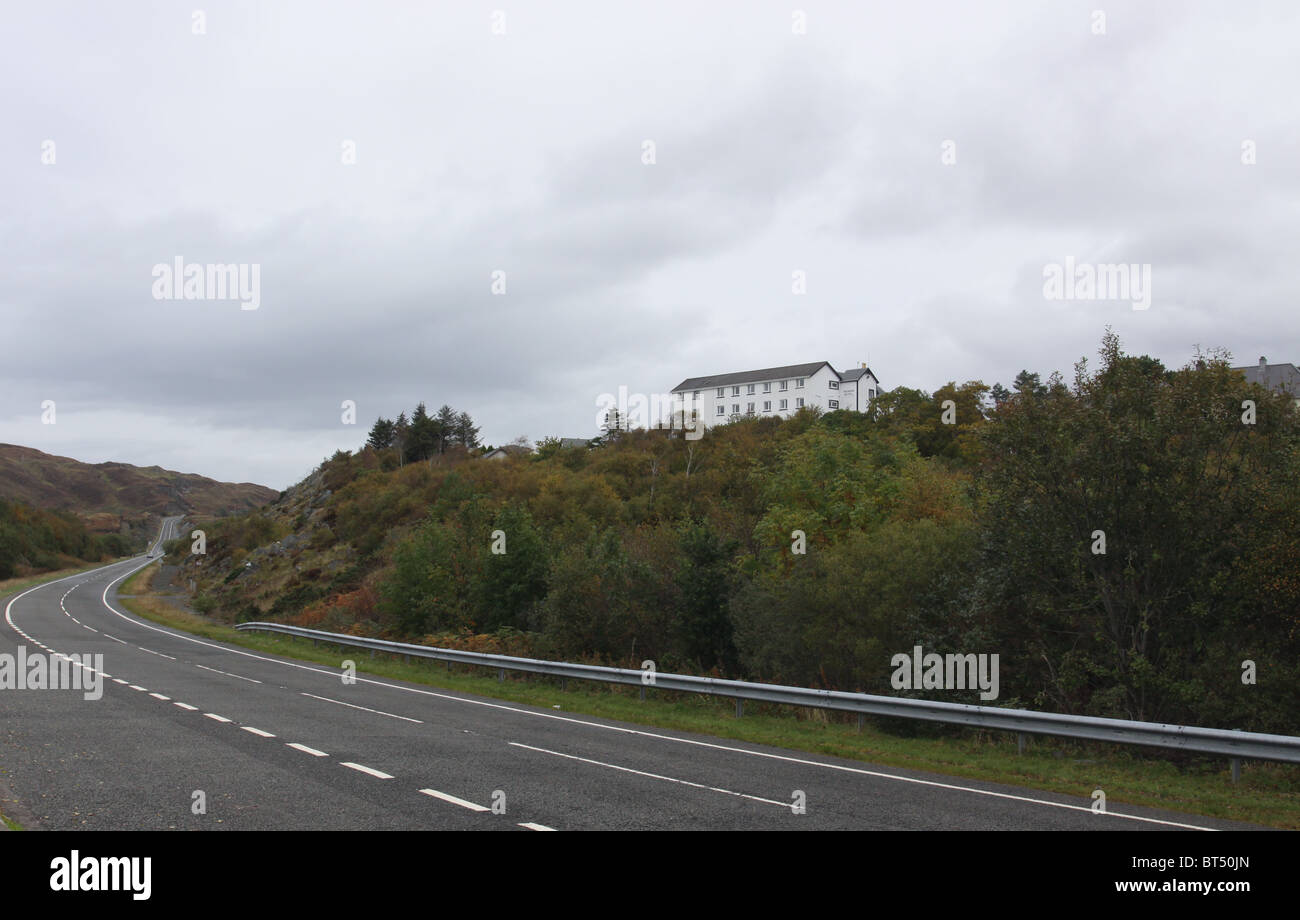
(750,390)
(785,404)
(798,403)
(871,394)
(785,385)
(767,388)
(750,410)
(722,391)
(798,382)
(767,405)
(835,384)
(695,395)
(736,408)
(722,410)
(833,403)
(735,391)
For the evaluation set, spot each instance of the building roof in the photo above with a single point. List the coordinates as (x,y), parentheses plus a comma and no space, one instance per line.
(507,450)
(856,372)
(767,373)
(1281,378)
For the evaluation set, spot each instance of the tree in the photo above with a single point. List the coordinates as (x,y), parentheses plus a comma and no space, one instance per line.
(466,431)
(514,581)
(955,413)
(425,588)
(401,434)
(1027,384)
(422,440)
(446,426)
(382,434)
(1118,514)
(586,611)
(703,625)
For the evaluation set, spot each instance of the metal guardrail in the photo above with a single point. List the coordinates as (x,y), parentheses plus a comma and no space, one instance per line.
(1234,744)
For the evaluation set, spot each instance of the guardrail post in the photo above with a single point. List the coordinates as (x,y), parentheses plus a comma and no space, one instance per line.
(1236,769)
(501,674)
(643,691)
(861,719)
(406,659)
(564,684)
(1020,742)
(740,707)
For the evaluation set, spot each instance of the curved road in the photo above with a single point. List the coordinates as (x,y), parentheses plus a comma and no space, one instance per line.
(266,742)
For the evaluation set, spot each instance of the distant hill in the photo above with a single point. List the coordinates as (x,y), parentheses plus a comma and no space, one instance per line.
(102,494)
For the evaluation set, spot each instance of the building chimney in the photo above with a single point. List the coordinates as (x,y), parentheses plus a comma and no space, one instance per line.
(1263,364)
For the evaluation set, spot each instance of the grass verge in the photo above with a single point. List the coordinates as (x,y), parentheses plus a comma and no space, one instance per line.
(1268,794)
(141,582)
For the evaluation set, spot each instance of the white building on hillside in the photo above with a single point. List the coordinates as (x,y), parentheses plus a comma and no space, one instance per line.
(775,391)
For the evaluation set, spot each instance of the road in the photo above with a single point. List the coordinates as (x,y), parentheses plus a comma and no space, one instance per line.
(265,742)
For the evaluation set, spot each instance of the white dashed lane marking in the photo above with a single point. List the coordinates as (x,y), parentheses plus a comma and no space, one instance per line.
(370,771)
(257,731)
(306,750)
(215,717)
(453,800)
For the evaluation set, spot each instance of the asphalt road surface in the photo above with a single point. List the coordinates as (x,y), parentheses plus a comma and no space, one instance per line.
(267,743)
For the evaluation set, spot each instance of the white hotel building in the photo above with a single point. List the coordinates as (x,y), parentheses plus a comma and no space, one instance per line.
(779,391)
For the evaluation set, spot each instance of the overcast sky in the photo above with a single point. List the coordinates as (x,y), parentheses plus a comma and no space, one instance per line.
(920,163)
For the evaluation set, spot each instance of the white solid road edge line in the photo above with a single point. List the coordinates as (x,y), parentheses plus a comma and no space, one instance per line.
(670,779)
(535,827)
(453,800)
(377,712)
(362,768)
(306,750)
(226,673)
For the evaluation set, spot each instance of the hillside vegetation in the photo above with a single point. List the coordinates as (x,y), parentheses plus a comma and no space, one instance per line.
(33,541)
(1127,543)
